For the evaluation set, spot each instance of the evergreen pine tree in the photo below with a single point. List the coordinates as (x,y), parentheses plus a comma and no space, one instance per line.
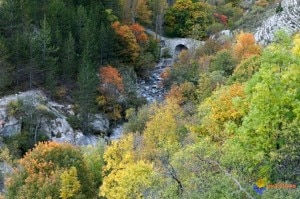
(69,55)
(6,70)
(48,59)
(87,88)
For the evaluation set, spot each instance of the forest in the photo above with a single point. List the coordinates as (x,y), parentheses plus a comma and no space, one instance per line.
(228,126)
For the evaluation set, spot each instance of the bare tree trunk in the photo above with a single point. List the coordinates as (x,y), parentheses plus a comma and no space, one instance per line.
(36,130)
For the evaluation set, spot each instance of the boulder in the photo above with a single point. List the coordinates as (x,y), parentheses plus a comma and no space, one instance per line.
(100,123)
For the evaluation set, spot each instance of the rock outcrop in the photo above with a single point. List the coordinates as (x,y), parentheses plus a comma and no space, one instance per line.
(55,127)
(288,19)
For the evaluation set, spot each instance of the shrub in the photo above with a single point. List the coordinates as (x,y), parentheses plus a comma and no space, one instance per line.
(15,108)
(223,61)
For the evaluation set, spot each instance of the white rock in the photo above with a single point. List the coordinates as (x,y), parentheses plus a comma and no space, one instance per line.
(100,123)
(288,20)
(57,129)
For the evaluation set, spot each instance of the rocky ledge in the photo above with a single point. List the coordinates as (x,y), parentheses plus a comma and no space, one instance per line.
(287,18)
(55,128)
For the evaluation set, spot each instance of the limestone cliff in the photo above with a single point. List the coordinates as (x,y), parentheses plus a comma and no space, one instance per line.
(287,19)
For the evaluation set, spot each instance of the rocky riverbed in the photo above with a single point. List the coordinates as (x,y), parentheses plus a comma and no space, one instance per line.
(152,89)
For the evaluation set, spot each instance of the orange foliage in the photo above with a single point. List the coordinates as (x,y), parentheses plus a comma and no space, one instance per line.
(111,76)
(245,46)
(139,32)
(40,159)
(40,169)
(165,75)
(181,93)
(132,48)
(222,18)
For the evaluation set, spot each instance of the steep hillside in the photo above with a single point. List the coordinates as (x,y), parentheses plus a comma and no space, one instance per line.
(288,19)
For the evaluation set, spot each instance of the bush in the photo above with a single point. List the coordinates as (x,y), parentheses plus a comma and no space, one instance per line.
(15,108)
(165,53)
(185,69)
(137,119)
(215,28)
(210,47)
(223,61)
(245,70)
(74,122)
(19,144)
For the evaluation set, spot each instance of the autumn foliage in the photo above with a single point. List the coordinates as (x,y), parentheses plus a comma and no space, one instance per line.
(128,40)
(245,46)
(221,107)
(296,48)
(110,76)
(47,169)
(181,93)
(139,32)
(111,89)
(223,19)
(165,75)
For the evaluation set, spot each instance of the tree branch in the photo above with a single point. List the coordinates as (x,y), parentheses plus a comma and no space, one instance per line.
(227,174)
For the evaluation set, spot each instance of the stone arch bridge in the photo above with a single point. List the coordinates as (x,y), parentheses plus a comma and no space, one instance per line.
(176,45)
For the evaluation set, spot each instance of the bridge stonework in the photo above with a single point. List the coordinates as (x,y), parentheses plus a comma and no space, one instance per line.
(174,43)
(171,43)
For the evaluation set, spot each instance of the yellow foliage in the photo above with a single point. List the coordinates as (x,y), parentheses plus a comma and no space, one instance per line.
(261,183)
(160,135)
(143,12)
(296,48)
(69,183)
(129,182)
(220,108)
(119,154)
(124,176)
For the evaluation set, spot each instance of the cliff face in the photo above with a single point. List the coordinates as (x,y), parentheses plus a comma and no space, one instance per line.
(55,127)
(288,19)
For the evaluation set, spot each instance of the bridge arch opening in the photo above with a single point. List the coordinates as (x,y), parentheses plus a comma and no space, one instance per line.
(178,49)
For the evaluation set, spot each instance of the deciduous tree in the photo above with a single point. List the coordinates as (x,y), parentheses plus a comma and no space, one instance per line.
(245,46)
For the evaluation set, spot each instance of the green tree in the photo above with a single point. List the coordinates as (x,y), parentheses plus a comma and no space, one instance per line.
(11,17)
(184,15)
(69,59)
(269,130)
(223,61)
(48,58)
(87,89)
(6,70)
